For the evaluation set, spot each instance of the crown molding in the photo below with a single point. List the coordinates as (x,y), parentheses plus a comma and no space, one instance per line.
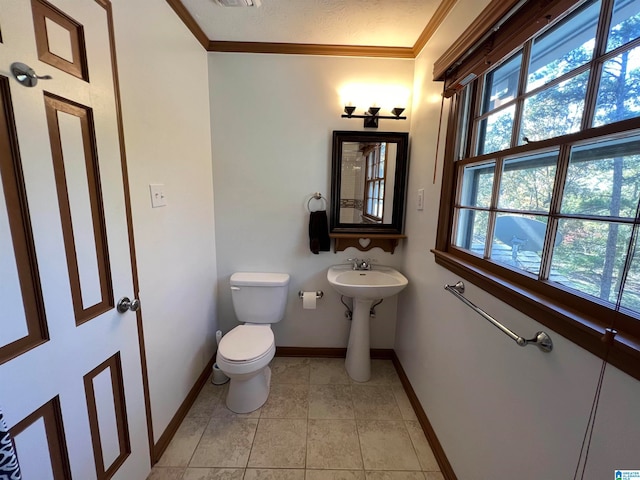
(313,49)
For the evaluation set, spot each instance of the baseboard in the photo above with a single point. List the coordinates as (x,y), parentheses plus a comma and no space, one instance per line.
(320,352)
(436,447)
(163,442)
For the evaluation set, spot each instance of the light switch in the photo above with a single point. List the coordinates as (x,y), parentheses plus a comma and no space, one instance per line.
(421,199)
(158,196)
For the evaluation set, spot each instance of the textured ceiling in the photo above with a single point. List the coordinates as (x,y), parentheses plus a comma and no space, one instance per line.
(388,23)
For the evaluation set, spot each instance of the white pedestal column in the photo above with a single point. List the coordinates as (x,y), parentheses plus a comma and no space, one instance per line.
(358,362)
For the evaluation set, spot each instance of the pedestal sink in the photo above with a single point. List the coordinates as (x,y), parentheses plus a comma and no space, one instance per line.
(365,287)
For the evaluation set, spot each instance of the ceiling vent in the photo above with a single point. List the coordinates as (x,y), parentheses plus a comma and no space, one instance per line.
(238,3)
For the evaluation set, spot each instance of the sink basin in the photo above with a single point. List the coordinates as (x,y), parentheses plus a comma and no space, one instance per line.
(380,282)
(365,287)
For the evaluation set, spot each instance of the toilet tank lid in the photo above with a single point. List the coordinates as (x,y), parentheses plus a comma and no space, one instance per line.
(259,279)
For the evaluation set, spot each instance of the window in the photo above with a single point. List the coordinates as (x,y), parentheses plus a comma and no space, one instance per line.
(541,192)
(376,166)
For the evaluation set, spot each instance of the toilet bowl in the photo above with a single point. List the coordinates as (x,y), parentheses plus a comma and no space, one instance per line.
(244,354)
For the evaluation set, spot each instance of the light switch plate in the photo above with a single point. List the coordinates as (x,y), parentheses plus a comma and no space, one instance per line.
(421,199)
(158,195)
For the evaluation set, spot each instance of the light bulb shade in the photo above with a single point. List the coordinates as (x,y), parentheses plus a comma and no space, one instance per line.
(374,110)
(349,110)
(397,111)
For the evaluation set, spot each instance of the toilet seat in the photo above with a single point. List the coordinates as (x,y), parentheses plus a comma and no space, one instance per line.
(246,344)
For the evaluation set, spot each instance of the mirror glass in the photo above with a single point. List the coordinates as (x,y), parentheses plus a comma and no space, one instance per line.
(368,180)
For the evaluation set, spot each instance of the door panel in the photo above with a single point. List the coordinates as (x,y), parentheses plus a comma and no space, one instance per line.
(74,387)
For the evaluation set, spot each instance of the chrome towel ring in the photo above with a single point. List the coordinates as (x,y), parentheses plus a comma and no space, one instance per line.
(316,196)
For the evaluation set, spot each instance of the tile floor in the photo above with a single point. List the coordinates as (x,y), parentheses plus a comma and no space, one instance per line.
(316,425)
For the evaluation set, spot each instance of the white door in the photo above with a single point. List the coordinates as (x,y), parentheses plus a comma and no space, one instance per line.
(71,385)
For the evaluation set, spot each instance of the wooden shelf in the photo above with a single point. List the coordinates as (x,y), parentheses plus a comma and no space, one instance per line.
(366,241)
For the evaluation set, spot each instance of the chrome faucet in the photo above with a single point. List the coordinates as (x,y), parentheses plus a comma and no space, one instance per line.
(360,264)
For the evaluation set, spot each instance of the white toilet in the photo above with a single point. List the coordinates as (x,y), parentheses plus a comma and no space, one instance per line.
(259,299)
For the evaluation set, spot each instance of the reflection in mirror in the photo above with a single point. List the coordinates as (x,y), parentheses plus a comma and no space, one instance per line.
(368,181)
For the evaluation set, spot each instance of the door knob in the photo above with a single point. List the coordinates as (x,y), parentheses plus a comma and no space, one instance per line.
(125,304)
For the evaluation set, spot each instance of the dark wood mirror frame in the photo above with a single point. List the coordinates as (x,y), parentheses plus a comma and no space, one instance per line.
(395,227)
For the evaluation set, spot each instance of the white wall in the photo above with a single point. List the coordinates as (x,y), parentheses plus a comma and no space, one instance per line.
(272,118)
(500,411)
(164,87)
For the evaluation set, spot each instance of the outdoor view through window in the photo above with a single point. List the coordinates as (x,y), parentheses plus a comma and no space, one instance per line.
(547,163)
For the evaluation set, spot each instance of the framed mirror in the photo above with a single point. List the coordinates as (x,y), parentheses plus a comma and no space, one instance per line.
(368,182)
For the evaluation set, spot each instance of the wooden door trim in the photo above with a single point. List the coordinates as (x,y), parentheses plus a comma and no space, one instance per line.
(41,10)
(21,233)
(106,4)
(53,105)
(114,364)
(51,415)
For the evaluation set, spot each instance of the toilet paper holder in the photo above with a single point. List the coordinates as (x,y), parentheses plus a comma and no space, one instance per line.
(319,294)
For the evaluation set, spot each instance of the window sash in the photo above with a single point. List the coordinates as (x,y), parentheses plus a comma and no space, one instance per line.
(569,312)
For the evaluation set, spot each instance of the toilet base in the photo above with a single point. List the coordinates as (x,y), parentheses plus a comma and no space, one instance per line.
(247,394)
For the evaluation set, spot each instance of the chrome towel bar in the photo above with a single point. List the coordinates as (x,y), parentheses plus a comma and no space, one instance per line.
(541,340)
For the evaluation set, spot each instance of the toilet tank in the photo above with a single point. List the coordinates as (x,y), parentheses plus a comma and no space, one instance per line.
(259,297)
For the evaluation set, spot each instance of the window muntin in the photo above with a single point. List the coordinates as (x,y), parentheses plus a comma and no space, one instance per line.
(376,155)
(619,89)
(624,23)
(603,179)
(591,257)
(565,189)
(527,182)
(565,47)
(554,111)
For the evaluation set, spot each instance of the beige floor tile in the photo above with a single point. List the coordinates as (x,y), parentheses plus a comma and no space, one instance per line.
(221,409)
(213,474)
(375,402)
(382,373)
(386,446)
(225,443)
(328,371)
(273,474)
(395,476)
(279,443)
(333,444)
(407,411)
(330,402)
(184,443)
(290,370)
(166,473)
(208,398)
(335,475)
(423,449)
(433,476)
(286,400)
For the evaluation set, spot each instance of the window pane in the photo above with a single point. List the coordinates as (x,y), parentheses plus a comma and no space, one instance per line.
(619,91)
(494,132)
(565,47)
(477,184)
(555,111)
(591,256)
(527,182)
(631,292)
(625,23)
(518,241)
(501,84)
(471,231)
(604,179)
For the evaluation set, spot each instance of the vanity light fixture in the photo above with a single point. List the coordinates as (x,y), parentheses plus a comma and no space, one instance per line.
(371,116)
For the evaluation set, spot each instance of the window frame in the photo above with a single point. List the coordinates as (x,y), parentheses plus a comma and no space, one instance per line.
(375,180)
(569,314)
